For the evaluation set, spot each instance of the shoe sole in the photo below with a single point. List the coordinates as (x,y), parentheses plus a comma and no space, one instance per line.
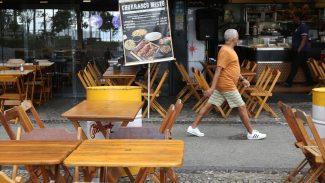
(256,139)
(195,134)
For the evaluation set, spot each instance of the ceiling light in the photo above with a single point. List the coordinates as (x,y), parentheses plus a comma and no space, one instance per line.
(43,2)
(86,1)
(1,1)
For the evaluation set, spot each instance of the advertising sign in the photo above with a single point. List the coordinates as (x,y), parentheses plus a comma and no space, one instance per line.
(146,31)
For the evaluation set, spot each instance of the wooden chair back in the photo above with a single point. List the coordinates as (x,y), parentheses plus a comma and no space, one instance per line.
(93,73)
(89,77)
(178,108)
(182,70)
(200,79)
(263,77)
(300,115)
(317,68)
(13,90)
(83,79)
(271,80)
(167,118)
(97,69)
(288,114)
(208,69)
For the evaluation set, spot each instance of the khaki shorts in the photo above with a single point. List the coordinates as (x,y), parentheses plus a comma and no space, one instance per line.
(233,98)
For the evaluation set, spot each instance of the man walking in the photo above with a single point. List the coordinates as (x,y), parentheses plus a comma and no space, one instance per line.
(224,87)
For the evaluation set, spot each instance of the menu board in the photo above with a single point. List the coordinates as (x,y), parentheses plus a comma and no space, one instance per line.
(146,31)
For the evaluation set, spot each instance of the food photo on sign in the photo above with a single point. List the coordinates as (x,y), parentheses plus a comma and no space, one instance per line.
(146,32)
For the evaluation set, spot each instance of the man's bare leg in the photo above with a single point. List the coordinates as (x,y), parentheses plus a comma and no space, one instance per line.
(245,118)
(205,109)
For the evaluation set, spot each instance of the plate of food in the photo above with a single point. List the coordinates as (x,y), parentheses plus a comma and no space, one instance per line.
(165,49)
(139,32)
(129,44)
(153,36)
(145,50)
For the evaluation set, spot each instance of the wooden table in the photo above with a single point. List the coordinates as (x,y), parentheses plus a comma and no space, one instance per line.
(98,110)
(124,76)
(35,153)
(163,154)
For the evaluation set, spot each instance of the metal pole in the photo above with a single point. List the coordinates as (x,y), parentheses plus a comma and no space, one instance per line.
(148,90)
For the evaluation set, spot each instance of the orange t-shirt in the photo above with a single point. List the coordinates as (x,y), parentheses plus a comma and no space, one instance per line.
(229,75)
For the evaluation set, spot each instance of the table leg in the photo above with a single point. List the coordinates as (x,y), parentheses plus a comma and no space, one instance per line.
(57,173)
(142,175)
(124,123)
(102,174)
(163,172)
(76,174)
(128,173)
(32,176)
(77,125)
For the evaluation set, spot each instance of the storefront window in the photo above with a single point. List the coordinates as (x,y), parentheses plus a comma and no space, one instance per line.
(54,34)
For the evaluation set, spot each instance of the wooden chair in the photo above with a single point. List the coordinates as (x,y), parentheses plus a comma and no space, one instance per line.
(89,77)
(84,81)
(191,85)
(318,70)
(250,65)
(5,179)
(203,84)
(260,93)
(13,91)
(153,75)
(37,84)
(41,133)
(209,69)
(314,149)
(164,132)
(96,76)
(154,94)
(288,114)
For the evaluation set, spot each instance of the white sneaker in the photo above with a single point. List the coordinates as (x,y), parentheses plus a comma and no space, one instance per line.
(195,131)
(256,135)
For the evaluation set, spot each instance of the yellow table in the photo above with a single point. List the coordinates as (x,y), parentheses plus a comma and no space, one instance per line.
(105,110)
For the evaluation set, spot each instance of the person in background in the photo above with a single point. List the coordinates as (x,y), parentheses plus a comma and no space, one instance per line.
(108,54)
(301,47)
(224,87)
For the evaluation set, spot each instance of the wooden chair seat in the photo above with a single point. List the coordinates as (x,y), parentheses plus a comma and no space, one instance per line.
(49,134)
(316,154)
(137,133)
(260,93)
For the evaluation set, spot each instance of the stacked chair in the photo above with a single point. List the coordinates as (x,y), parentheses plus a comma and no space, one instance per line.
(191,85)
(259,93)
(318,70)
(203,84)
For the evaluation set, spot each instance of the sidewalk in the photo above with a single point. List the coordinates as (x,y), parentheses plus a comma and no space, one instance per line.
(224,154)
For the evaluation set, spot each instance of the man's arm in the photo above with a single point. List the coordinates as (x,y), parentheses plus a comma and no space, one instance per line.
(303,42)
(214,82)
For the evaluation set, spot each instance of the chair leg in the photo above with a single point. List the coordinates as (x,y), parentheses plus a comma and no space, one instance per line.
(142,175)
(292,174)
